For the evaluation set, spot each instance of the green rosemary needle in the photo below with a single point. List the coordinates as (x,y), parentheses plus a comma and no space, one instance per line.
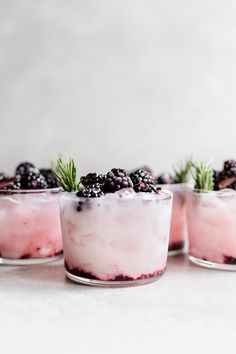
(181,172)
(66,174)
(203,176)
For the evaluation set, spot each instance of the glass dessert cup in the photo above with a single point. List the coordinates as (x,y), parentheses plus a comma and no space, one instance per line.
(115,240)
(212,228)
(178,228)
(30,230)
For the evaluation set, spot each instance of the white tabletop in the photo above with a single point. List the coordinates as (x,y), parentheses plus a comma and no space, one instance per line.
(189,310)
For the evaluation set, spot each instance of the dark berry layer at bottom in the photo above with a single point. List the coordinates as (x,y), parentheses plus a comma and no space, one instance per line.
(229,260)
(29,256)
(176,246)
(121,277)
(226,260)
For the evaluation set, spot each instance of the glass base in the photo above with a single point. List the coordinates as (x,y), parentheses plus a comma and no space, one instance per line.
(176,252)
(212,265)
(176,248)
(112,284)
(29,261)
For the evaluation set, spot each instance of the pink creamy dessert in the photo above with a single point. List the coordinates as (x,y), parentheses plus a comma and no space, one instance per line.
(118,237)
(30,228)
(212,228)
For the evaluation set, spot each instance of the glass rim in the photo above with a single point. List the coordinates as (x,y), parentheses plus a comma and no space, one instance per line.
(29,191)
(167,195)
(221,193)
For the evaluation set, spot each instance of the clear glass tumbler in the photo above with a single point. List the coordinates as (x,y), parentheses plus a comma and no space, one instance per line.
(212,228)
(30,230)
(115,240)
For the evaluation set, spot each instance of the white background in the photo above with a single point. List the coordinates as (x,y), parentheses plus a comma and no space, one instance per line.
(117,83)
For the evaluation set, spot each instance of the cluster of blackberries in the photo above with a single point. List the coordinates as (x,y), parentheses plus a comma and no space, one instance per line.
(96,185)
(226,178)
(28,177)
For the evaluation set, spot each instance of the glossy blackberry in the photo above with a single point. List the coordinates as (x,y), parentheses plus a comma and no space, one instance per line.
(23,168)
(51,179)
(230,168)
(92,178)
(32,180)
(91,191)
(165,178)
(117,179)
(143,181)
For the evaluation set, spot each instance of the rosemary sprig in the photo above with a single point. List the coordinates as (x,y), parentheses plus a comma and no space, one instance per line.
(66,174)
(203,176)
(181,172)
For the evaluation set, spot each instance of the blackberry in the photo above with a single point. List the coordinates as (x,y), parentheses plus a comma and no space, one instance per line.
(143,181)
(230,168)
(222,180)
(145,168)
(165,178)
(23,168)
(51,179)
(217,177)
(32,180)
(15,185)
(117,179)
(5,179)
(92,178)
(91,191)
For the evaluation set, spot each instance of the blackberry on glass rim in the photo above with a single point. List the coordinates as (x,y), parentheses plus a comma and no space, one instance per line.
(116,180)
(92,178)
(32,179)
(90,191)
(23,168)
(230,168)
(51,179)
(143,181)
